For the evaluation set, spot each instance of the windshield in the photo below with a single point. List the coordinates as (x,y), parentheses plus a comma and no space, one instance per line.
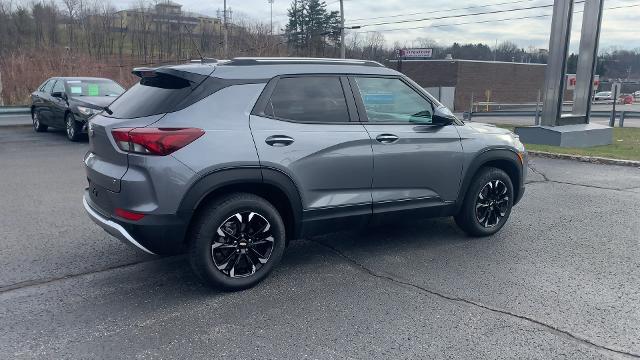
(93,88)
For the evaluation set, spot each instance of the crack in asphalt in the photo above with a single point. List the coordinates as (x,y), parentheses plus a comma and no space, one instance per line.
(546,179)
(44,281)
(554,330)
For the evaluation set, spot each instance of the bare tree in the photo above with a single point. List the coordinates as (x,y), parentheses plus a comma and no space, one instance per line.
(71,7)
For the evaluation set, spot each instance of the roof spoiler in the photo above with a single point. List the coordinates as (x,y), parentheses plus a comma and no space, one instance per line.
(147,72)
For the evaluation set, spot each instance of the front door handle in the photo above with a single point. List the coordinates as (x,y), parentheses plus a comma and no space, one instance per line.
(387,138)
(279,140)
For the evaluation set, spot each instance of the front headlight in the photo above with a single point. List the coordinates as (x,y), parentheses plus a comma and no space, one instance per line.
(86,111)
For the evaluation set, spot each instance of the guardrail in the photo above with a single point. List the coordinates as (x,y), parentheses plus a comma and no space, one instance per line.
(11,110)
(621,115)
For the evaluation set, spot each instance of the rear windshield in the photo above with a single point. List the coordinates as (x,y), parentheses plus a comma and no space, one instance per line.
(93,88)
(151,96)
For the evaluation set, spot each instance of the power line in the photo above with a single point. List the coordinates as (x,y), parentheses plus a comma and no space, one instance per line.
(443,10)
(487,21)
(464,15)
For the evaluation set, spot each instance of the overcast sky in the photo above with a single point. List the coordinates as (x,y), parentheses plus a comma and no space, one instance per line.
(620,28)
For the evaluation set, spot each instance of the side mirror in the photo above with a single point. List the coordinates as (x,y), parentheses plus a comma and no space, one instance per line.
(59,94)
(442,117)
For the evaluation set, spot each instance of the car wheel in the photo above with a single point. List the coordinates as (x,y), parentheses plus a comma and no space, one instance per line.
(236,241)
(37,125)
(73,128)
(487,204)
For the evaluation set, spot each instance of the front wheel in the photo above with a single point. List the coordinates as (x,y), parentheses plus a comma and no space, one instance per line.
(236,241)
(487,204)
(73,127)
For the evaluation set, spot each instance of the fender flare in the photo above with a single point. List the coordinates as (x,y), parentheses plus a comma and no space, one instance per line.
(247,175)
(486,156)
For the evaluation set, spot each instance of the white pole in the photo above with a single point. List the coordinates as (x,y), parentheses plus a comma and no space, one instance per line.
(342,45)
(226,42)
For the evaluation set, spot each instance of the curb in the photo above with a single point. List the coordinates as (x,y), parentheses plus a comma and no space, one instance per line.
(589,159)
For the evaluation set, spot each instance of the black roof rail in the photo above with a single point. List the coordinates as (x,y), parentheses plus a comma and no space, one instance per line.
(240,61)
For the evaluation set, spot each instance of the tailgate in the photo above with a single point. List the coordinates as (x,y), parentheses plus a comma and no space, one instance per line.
(105,163)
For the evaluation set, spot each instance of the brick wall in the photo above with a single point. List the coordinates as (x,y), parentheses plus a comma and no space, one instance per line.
(509,83)
(430,73)
(506,82)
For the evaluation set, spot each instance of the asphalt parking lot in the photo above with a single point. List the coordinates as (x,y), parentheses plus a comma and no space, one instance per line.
(561,280)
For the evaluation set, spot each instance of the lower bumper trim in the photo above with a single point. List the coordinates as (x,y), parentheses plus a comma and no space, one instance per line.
(112,227)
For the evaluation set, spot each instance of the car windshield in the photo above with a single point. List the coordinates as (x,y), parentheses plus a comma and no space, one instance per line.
(93,87)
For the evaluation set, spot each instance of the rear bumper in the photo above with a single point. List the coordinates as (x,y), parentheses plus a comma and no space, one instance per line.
(154,234)
(112,227)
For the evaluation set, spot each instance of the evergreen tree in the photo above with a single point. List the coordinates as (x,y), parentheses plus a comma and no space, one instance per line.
(311,27)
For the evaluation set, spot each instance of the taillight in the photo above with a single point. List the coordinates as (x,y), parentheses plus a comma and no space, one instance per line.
(154,141)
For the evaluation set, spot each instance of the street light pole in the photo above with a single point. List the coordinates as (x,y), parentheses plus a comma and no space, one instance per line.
(271,3)
(342,46)
(226,43)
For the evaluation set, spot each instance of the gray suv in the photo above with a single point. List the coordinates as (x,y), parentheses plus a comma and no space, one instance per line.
(230,160)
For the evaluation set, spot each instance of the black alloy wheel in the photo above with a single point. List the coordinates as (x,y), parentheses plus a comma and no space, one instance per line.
(236,240)
(242,244)
(487,203)
(492,203)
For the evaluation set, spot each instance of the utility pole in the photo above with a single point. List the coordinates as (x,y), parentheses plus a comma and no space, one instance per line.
(342,45)
(226,42)
(271,3)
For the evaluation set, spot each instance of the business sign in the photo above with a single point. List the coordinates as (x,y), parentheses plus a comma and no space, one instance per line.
(414,53)
(572,79)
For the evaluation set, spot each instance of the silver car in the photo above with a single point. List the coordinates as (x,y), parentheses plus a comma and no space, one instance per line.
(230,161)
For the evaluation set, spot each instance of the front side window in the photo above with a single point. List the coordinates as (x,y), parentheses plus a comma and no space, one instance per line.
(308,99)
(392,100)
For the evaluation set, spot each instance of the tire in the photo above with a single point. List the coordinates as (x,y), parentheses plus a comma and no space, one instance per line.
(217,241)
(37,125)
(72,127)
(493,207)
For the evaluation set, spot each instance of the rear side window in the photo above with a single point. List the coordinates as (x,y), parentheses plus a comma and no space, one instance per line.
(152,96)
(308,99)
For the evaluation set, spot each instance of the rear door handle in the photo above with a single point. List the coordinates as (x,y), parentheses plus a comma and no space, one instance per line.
(279,140)
(387,138)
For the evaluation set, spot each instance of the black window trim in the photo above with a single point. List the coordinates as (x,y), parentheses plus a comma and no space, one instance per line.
(362,111)
(263,100)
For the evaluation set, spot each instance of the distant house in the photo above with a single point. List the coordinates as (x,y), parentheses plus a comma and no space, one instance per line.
(168,16)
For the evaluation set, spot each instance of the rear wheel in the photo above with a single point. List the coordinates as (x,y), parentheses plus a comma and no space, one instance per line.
(236,241)
(73,127)
(37,125)
(487,204)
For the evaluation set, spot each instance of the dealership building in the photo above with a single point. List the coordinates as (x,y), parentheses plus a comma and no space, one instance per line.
(455,82)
